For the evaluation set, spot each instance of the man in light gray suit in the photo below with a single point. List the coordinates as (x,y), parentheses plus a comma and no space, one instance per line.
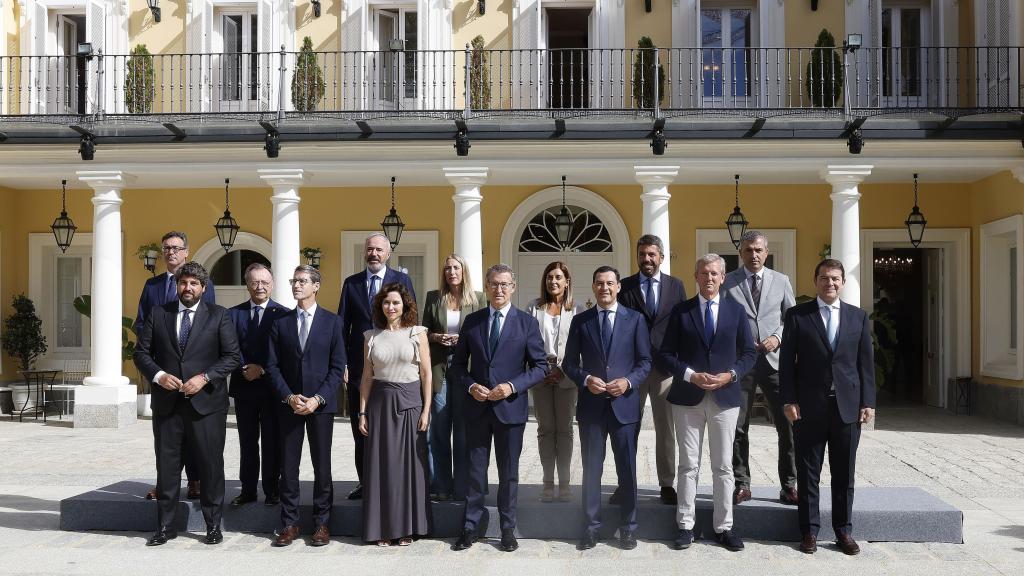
(765,295)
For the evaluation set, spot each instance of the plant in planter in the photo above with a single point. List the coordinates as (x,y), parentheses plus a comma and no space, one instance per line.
(643,75)
(139,85)
(479,76)
(83,305)
(307,80)
(149,254)
(312,256)
(23,337)
(825,72)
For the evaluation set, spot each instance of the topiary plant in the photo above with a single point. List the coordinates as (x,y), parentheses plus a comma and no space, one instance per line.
(825,72)
(643,75)
(480,76)
(139,84)
(23,334)
(308,79)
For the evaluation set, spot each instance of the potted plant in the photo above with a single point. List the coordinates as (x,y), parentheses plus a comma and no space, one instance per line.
(307,80)
(139,87)
(643,75)
(23,340)
(149,254)
(479,76)
(312,256)
(825,72)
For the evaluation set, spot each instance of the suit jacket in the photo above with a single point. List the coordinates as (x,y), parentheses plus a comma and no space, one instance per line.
(254,348)
(356,318)
(629,357)
(212,349)
(316,370)
(154,293)
(685,347)
(766,318)
(537,309)
(435,320)
(519,359)
(672,292)
(808,366)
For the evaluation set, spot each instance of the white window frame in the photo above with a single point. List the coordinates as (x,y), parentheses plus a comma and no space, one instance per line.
(398,10)
(781,243)
(247,11)
(43,254)
(756,68)
(998,360)
(894,99)
(414,243)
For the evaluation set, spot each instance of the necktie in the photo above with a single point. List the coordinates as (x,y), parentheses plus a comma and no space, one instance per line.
(606,332)
(492,339)
(172,290)
(652,304)
(755,290)
(830,328)
(709,323)
(186,327)
(303,329)
(374,287)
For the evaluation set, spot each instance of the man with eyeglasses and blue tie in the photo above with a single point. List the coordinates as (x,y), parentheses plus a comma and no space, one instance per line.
(160,290)
(827,384)
(356,318)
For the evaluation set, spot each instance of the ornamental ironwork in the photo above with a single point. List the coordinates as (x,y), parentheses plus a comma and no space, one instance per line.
(589,233)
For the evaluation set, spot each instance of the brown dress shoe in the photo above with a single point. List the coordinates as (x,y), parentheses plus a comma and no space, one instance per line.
(285,536)
(740,495)
(322,536)
(151,495)
(809,545)
(788,496)
(193,489)
(847,544)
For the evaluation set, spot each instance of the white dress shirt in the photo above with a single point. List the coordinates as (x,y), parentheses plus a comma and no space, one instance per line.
(177,329)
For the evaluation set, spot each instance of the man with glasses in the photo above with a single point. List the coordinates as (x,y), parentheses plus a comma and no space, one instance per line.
(160,290)
(255,405)
(499,356)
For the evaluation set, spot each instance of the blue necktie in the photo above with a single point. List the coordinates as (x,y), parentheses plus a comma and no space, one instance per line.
(172,289)
(254,324)
(830,328)
(492,339)
(606,332)
(303,329)
(186,327)
(652,304)
(709,324)
(373,287)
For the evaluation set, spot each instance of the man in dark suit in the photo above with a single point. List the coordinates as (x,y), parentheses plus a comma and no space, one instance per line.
(608,350)
(765,295)
(707,349)
(187,348)
(499,356)
(256,404)
(160,290)
(306,362)
(354,309)
(654,294)
(827,382)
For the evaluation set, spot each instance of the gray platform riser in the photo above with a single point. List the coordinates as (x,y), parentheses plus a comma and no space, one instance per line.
(880,514)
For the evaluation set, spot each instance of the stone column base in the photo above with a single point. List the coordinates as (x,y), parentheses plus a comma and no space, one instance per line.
(105,406)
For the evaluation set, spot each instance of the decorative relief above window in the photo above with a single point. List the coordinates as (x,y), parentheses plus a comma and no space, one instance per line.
(588,232)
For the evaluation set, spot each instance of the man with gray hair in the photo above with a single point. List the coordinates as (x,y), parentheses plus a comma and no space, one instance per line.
(356,317)
(765,295)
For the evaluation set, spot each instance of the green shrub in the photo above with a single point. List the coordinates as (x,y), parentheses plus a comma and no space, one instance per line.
(643,75)
(824,78)
(139,84)
(308,79)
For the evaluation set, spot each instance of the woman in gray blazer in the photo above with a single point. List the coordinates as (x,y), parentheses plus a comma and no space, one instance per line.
(443,314)
(554,399)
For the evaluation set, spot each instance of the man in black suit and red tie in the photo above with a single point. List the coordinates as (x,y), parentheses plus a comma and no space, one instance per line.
(187,348)
(827,382)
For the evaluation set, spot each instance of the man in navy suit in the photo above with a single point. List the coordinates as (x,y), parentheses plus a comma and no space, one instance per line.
(827,382)
(160,290)
(354,309)
(255,403)
(607,354)
(707,349)
(499,356)
(187,349)
(306,362)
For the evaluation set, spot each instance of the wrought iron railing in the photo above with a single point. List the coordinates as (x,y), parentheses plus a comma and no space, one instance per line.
(518,82)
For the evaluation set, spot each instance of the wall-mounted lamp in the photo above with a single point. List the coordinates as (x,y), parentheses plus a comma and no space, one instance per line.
(316,8)
(647,5)
(154,7)
(814,5)
(84,50)
(396,45)
(481,7)
(852,42)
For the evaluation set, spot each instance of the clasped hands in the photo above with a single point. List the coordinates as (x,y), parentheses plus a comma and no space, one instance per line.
(710,381)
(174,384)
(615,388)
(767,346)
(301,405)
(483,394)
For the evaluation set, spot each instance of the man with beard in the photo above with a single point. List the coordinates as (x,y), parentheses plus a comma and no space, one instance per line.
(356,317)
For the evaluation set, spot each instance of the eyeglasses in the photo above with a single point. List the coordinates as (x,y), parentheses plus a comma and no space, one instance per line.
(258,283)
(503,286)
(300,281)
(173,249)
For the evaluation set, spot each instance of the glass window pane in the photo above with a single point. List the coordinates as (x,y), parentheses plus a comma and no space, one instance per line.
(253,57)
(711,56)
(1014,280)
(231,69)
(887,52)
(69,287)
(229,270)
(739,40)
(411,44)
(910,55)
(414,267)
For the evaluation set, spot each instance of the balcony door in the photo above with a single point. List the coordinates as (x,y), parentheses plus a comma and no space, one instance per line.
(397,71)
(904,30)
(568,62)
(726,34)
(66,71)
(238,82)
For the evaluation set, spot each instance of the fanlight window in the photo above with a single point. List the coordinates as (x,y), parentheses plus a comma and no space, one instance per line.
(588,232)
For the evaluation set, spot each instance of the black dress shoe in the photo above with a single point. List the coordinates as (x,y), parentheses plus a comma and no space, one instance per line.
(788,496)
(668,496)
(729,540)
(508,540)
(615,498)
(213,535)
(588,541)
(627,539)
(809,544)
(272,500)
(193,491)
(683,539)
(162,536)
(242,499)
(465,541)
(847,544)
(356,493)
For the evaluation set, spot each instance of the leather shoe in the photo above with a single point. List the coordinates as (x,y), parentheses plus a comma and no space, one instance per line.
(788,496)
(740,495)
(588,541)
(683,539)
(465,541)
(627,539)
(729,540)
(356,493)
(508,540)
(809,544)
(272,500)
(151,495)
(285,536)
(615,498)
(322,536)
(213,535)
(242,499)
(847,544)
(668,496)
(193,489)
(162,536)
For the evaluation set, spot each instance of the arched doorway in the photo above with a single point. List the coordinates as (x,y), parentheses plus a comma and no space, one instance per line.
(528,241)
(226,269)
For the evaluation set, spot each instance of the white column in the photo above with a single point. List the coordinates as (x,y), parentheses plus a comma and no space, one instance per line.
(107,400)
(846,223)
(655,180)
(468,232)
(284,228)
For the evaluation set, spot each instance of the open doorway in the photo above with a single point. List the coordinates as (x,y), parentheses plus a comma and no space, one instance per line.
(568,37)
(71,68)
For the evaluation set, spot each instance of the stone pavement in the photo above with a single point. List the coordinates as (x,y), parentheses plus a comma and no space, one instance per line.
(972,463)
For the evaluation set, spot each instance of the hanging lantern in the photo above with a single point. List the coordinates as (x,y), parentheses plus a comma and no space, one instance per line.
(563,222)
(736,222)
(392,223)
(915,221)
(63,227)
(227,227)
